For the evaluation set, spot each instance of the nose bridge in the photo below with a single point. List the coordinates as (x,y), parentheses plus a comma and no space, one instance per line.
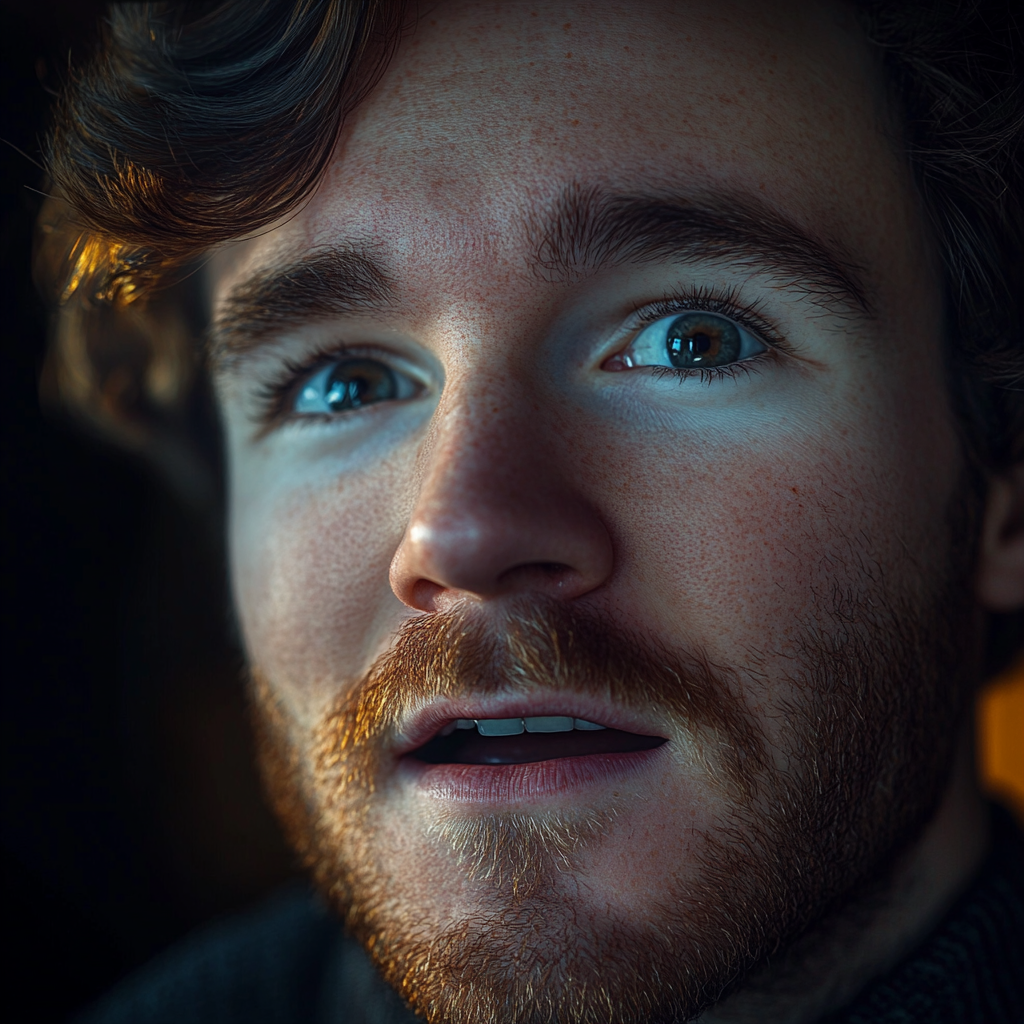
(484,484)
(482,442)
(495,510)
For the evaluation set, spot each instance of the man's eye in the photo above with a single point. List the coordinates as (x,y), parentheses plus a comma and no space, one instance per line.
(692,341)
(352,383)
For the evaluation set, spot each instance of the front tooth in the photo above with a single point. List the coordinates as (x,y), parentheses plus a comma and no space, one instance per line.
(548,723)
(586,726)
(499,726)
(465,723)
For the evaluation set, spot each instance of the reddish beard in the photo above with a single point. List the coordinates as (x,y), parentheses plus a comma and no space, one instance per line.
(867,749)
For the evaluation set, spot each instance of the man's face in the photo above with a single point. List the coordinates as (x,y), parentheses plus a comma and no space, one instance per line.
(599,380)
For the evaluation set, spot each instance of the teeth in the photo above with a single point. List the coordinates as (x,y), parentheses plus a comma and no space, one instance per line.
(515,726)
(499,726)
(548,723)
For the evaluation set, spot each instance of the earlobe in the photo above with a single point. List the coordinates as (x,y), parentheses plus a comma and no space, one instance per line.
(1000,578)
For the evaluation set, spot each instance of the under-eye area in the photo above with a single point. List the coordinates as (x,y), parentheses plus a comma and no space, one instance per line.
(495,741)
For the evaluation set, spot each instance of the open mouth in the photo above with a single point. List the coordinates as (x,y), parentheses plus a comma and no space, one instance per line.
(494,741)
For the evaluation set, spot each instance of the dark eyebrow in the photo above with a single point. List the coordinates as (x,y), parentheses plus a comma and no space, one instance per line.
(586,230)
(338,280)
(581,232)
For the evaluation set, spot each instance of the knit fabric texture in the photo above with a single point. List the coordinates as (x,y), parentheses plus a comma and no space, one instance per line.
(971,969)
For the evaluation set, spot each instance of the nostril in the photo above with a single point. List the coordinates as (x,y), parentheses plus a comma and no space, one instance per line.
(424,595)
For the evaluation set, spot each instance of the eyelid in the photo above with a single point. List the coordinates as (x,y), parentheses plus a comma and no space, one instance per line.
(707,299)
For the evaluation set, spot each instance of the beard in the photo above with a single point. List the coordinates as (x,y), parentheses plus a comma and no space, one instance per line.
(802,821)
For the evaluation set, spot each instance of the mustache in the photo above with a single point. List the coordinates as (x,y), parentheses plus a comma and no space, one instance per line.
(541,645)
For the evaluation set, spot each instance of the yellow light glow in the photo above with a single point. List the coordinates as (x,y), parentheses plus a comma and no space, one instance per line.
(1001,738)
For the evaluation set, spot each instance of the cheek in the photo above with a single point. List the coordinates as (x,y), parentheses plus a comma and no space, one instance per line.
(748,541)
(740,555)
(310,574)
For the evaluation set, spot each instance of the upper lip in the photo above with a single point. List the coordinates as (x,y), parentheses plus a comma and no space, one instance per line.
(423,724)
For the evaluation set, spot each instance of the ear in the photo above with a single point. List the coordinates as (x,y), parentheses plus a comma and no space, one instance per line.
(1000,577)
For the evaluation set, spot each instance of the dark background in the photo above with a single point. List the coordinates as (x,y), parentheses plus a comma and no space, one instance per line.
(130,812)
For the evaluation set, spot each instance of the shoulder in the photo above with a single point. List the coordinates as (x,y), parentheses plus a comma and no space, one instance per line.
(266,965)
(969,970)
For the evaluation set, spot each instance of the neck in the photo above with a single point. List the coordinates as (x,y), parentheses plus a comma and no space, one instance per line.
(829,965)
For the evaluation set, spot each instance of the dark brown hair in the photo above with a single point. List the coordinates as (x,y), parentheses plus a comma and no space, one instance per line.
(193,123)
(955,70)
(198,122)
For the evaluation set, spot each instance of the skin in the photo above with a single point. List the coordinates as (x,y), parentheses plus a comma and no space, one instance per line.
(711,515)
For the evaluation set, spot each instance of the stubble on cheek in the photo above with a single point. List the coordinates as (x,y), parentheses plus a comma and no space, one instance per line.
(347,775)
(788,539)
(837,748)
(863,713)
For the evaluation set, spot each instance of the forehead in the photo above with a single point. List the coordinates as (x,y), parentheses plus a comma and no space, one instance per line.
(487,114)
(487,111)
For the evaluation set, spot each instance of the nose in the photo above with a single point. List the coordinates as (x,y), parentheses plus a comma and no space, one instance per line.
(497,515)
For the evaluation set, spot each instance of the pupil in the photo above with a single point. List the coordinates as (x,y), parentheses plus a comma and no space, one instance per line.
(699,344)
(358,382)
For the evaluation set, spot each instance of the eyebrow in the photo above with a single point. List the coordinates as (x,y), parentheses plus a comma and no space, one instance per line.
(587,230)
(345,279)
(582,232)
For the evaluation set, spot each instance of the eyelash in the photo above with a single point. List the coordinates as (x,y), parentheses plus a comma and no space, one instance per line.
(274,395)
(707,299)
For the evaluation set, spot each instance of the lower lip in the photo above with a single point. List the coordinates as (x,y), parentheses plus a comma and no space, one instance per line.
(532,782)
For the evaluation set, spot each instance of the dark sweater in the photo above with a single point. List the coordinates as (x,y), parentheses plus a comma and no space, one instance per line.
(289,963)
